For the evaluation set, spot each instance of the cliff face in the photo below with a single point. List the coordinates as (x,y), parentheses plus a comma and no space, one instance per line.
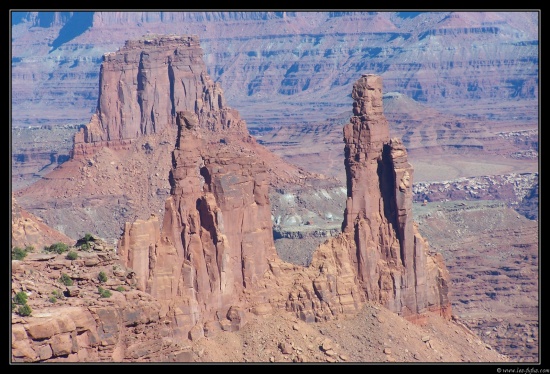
(216,236)
(214,258)
(391,259)
(142,87)
(211,259)
(485,60)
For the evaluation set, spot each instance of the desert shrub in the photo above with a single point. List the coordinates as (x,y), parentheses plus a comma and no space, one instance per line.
(52,299)
(72,255)
(20,298)
(66,280)
(85,247)
(87,237)
(18,253)
(29,248)
(103,292)
(120,289)
(57,248)
(57,294)
(102,277)
(24,310)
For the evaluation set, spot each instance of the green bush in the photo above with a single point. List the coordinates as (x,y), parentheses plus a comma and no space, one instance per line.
(72,255)
(29,248)
(58,294)
(87,237)
(57,248)
(52,299)
(20,298)
(66,280)
(24,310)
(103,292)
(120,289)
(85,247)
(18,253)
(102,277)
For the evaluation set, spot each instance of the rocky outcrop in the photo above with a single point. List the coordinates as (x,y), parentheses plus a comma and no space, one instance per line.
(79,324)
(391,257)
(214,257)
(216,237)
(121,159)
(27,230)
(211,258)
(144,84)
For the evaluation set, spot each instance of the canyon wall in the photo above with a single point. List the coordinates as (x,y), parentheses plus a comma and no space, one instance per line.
(292,67)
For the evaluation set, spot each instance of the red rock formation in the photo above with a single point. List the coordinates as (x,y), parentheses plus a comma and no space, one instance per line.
(142,87)
(214,257)
(391,257)
(29,230)
(217,235)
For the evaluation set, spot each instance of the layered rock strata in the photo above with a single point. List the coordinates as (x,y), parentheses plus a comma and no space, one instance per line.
(76,324)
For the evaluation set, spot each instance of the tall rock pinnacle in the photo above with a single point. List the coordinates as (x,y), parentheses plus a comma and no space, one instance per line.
(391,257)
(216,237)
(212,259)
(145,84)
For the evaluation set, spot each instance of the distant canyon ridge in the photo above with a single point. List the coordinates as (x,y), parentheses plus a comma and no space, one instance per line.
(291,67)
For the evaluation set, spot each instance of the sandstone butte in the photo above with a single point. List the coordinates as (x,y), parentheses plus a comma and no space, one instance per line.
(211,260)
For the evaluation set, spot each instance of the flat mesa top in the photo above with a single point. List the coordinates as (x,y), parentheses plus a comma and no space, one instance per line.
(159,40)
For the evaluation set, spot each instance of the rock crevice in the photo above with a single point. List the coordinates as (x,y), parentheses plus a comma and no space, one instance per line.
(391,257)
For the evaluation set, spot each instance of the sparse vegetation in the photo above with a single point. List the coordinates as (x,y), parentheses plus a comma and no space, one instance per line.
(24,310)
(72,255)
(18,253)
(66,280)
(102,277)
(103,292)
(120,289)
(52,299)
(20,298)
(58,294)
(57,248)
(86,239)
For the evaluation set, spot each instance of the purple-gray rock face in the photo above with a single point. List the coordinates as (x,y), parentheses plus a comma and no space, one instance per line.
(488,60)
(391,256)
